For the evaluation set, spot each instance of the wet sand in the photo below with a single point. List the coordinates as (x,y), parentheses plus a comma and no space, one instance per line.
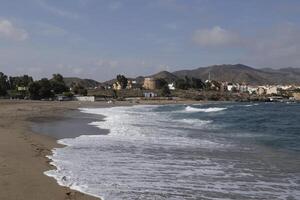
(70,125)
(22,153)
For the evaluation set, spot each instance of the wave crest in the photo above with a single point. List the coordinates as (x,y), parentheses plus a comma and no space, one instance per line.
(212,109)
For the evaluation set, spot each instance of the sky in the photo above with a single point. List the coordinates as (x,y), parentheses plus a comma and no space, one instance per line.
(99,39)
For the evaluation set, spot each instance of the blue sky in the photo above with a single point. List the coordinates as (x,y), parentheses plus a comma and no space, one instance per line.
(101,38)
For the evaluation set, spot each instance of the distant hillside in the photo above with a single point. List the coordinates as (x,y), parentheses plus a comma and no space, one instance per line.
(169,77)
(241,73)
(88,83)
(237,73)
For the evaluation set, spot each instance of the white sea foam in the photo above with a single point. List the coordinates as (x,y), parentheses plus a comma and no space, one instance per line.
(196,122)
(212,109)
(148,155)
(250,105)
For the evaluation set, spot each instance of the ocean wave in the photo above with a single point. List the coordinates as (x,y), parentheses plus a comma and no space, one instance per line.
(151,154)
(211,109)
(196,122)
(250,105)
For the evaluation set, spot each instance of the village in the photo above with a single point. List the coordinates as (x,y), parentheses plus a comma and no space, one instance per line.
(155,89)
(143,88)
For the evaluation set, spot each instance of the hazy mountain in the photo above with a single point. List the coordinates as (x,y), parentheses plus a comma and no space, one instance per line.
(168,76)
(237,73)
(88,83)
(241,73)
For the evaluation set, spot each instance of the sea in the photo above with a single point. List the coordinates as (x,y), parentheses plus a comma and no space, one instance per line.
(209,151)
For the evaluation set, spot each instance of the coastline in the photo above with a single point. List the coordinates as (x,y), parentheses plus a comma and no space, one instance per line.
(23,151)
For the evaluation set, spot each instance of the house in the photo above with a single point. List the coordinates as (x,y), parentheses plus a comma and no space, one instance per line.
(252,89)
(84,98)
(133,84)
(275,99)
(150,94)
(271,90)
(63,98)
(129,84)
(232,87)
(296,96)
(243,88)
(22,88)
(150,84)
(117,86)
(171,86)
(261,90)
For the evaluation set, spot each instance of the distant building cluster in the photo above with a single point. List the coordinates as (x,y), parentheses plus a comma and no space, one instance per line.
(260,90)
(151,83)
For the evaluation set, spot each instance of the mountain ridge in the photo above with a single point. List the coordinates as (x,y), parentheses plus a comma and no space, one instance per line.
(236,73)
(240,73)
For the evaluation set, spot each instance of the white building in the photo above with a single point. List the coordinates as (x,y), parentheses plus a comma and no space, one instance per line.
(84,98)
(271,90)
(243,88)
(252,90)
(233,87)
(171,86)
(150,94)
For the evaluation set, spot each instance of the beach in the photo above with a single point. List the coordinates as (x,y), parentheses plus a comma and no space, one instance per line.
(148,151)
(22,152)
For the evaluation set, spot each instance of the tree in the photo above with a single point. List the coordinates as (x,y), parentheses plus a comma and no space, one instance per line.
(183,84)
(197,83)
(46,90)
(115,94)
(122,80)
(165,91)
(3,84)
(58,78)
(19,81)
(161,83)
(58,85)
(79,89)
(213,85)
(33,90)
(40,89)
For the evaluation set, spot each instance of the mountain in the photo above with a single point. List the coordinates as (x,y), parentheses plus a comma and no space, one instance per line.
(237,73)
(168,76)
(88,83)
(240,73)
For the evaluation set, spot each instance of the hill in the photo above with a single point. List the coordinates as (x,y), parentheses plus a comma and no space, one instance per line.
(168,76)
(240,73)
(88,83)
(237,73)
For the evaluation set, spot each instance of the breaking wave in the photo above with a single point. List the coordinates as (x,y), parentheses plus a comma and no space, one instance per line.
(211,109)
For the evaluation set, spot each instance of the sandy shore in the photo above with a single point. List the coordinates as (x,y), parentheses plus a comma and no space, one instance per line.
(22,152)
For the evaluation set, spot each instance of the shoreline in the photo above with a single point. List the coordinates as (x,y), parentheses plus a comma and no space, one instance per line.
(23,152)
(33,146)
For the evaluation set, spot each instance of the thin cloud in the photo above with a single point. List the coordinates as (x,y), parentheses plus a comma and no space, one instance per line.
(279,46)
(116,5)
(9,31)
(57,11)
(215,37)
(51,30)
